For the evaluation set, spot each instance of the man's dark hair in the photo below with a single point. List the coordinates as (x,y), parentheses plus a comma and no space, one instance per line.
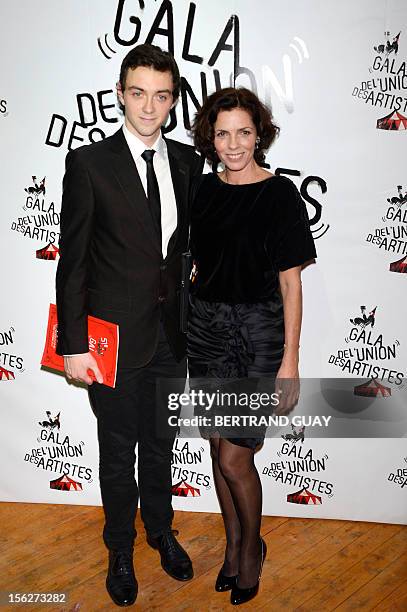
(225,100)
(150,56)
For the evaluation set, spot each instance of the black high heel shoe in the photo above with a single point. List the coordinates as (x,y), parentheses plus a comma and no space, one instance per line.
(238,595)
(224,583)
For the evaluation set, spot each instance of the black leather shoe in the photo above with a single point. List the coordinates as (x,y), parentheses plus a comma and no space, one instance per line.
(121,583)
(238,595)
(174,559)
(224,583)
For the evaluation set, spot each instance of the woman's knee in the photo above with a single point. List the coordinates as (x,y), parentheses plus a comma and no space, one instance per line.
(235,466)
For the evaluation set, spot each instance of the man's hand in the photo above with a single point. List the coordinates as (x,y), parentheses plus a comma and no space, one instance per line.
(77,366)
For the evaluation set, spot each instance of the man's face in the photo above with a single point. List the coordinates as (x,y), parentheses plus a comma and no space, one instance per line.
(147,101)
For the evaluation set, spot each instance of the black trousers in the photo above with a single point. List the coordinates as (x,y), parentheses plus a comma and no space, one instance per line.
(126,418)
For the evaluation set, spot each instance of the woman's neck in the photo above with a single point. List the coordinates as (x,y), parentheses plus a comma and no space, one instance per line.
(250,174)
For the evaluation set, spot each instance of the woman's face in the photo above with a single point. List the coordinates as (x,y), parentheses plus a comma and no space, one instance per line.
(235,138)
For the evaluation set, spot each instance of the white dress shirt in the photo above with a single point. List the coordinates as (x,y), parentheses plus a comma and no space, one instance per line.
(163,173)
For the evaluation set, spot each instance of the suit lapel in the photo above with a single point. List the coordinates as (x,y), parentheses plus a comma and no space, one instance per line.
(180,181)
(128,177)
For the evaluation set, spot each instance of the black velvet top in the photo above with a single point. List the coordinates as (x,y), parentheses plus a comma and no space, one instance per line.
(243,235)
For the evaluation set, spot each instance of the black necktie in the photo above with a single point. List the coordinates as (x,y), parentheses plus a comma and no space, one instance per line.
(153,191)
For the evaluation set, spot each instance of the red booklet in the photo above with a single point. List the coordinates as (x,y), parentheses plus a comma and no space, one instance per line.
(103,345)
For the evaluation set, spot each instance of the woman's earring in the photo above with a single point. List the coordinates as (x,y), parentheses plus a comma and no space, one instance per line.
(257,142)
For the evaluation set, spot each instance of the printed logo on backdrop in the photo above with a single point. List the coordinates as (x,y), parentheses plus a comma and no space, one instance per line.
(133,24)
(318,227)
(386,86)
(226,38)
(297,434)
(10,363)
(3,108)
(399,475)
(300,470)
(369,354)
(57,454)
(391,237)
(96,110)
(188,478)
(39,221)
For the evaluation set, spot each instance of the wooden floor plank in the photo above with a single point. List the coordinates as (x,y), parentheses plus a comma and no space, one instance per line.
(270,523)
(355,566)
(396,600)
(59,548)
(310,570)
(81,542)
(392,575)
(45,553)
(204,589)
(282,541)
(19,526)
(62,528)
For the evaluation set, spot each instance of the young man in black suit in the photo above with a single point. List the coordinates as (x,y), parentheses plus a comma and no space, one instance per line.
(124,225)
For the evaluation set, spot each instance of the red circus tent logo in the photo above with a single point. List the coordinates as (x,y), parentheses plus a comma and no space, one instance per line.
(304,497)
(64,483)
(399,266)
(393,121)
(372,388)
(6,374)
(48,252)
(183,489)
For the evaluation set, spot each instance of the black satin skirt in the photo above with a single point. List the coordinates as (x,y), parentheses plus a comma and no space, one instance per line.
(235,341)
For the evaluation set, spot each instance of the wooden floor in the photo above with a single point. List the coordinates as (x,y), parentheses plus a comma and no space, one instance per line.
(311,564)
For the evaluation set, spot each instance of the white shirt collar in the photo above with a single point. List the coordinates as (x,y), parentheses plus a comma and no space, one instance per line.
(137,146)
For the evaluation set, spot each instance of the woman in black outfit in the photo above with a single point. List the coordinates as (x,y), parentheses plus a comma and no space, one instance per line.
(250,236)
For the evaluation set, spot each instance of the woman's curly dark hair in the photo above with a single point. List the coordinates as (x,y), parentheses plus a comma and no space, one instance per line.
(224,100)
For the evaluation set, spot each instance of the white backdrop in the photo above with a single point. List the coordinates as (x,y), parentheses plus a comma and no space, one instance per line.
(331,71)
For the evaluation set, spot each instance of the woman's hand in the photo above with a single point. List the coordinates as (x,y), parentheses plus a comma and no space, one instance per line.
(287,386)
(287,381)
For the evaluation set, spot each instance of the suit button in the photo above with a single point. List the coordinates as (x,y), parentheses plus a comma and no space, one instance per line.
(161,298)
(163,267)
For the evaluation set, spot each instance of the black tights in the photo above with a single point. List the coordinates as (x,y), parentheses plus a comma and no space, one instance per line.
(239,491)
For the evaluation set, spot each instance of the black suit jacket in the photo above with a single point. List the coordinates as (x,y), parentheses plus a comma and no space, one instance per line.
(111,264)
